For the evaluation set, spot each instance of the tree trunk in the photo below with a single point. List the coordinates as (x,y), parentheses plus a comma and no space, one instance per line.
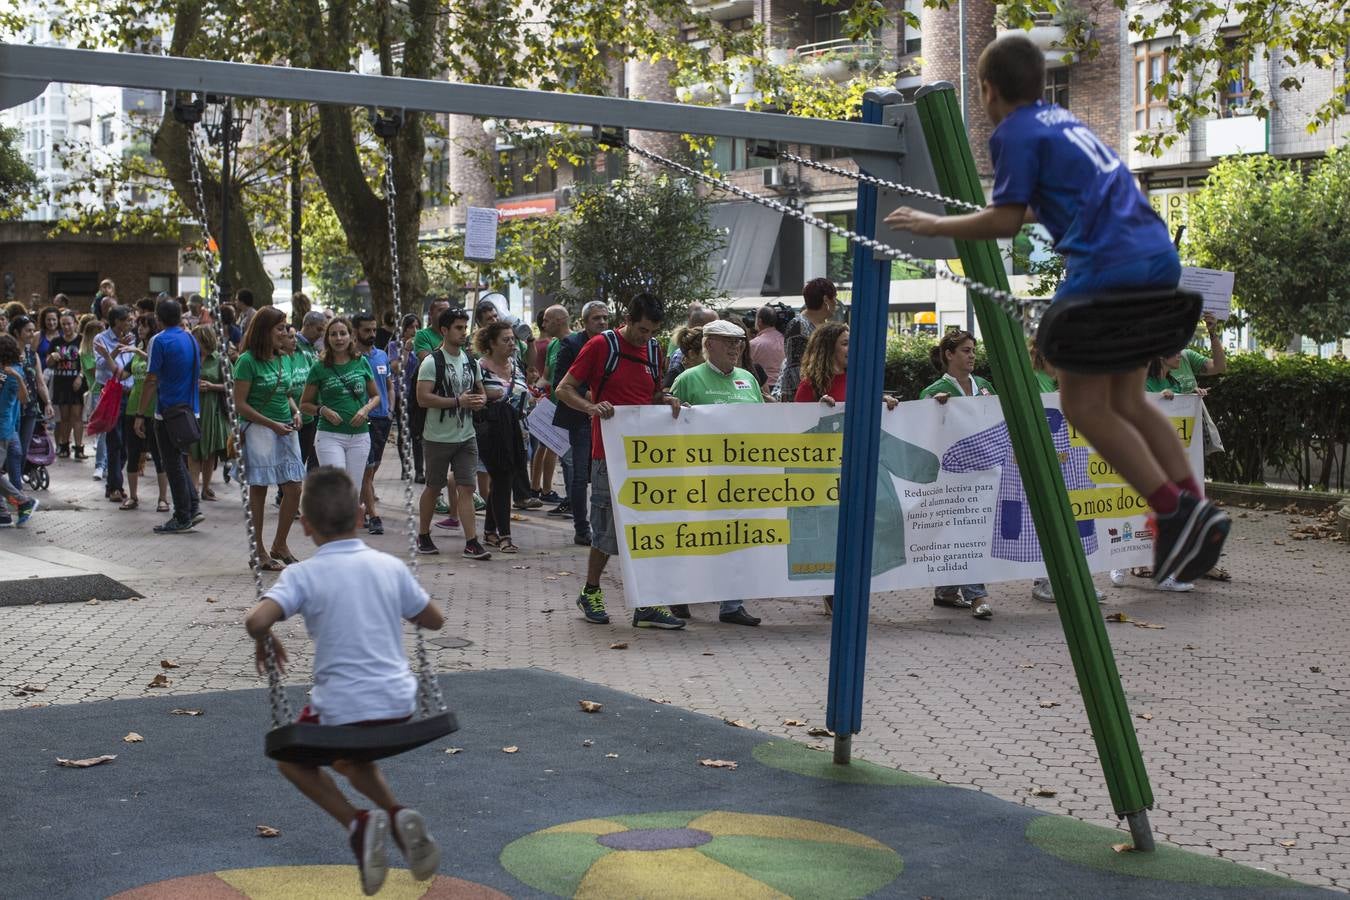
(169,146)
(360,210)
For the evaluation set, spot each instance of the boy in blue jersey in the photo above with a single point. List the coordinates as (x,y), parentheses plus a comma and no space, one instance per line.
(1050,168)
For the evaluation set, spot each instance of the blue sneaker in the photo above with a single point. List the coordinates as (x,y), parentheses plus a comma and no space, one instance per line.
(26,510)
(173,526)
(656,617)
(592,605)
(6,521)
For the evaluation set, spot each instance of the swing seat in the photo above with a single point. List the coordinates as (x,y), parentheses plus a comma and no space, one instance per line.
(322,745)
(1117,331)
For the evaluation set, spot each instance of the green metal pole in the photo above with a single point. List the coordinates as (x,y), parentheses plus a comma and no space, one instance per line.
(1075,597)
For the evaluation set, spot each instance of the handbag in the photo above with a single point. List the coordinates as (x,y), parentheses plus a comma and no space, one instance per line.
(182,425)
(108,413)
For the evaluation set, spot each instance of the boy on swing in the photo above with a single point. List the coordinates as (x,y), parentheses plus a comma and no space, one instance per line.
(354,600)
(1050,165)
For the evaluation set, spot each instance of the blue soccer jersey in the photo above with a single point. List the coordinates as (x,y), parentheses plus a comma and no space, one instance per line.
(1077,187)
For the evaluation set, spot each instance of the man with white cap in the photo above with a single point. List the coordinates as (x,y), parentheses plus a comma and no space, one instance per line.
(719,380)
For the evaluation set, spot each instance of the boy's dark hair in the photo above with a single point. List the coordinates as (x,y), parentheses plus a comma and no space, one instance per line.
(950,341)
(146,304)
(328,502)
(9,351)
(816,290)
(245,296)
(168,312)
(1015,67)
(646,308)
(451,316)
(226,314)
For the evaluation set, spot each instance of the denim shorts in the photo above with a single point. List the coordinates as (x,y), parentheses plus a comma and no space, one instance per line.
(1161,271)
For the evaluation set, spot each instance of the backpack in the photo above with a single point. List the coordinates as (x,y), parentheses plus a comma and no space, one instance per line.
(652,362)
(441,386)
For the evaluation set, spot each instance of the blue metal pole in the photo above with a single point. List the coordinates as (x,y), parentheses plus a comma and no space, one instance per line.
(858,479)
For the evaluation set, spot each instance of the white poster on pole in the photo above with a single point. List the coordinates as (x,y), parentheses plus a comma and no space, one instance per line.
(1214,285)
(741,502)
(480,234)
(540,424)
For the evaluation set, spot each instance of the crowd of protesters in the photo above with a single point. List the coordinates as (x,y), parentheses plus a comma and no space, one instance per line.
(125,383)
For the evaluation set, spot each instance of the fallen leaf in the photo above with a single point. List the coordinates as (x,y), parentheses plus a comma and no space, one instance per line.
(658,699)
(1190,647)
(550,578)
(1147,717)
(32,688)
(512,749)
(86,763)
(1123,848)
(1140,623)
(1026,666)
(546,611)
(1278,543)
(169,664)
(185,712)
(735,723)
(611,756)
(133,738)
(159,681)
(590,706)
(210,599)
(1118,617)
(707,653)
(1049,704)
(795,723)
(520,567)
(18,693)
(451,751)
(564,573)
(1043,792)
(819,731)
(93,601)
(619,645)
(267,831)
(824,748)
(1288,843)
(587,743)
(717,763)
(1315,669)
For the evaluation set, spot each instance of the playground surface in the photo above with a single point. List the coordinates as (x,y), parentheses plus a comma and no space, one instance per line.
(1239,703)
(616,803)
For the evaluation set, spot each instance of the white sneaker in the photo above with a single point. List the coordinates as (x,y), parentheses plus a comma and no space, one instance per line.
(98,474)
(1117,577)
(418,846)
(1171,584)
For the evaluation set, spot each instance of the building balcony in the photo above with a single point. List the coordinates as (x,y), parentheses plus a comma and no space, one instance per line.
(1049,37)
(841,59)
(724,10)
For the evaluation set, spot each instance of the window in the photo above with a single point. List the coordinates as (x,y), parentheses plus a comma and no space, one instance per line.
(832,26)
(912,39)
(438,179)
(167,284)
(524,171)
(1235,98)
(1151,67)
(105,130)
(733,155)
(1057,86)
(838,251)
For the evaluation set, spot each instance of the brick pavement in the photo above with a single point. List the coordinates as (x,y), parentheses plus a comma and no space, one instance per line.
(1246,743)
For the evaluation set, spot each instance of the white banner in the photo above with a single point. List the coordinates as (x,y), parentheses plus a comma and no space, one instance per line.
(741,501)
(540,424)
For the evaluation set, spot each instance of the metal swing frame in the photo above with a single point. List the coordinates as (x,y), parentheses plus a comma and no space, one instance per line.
(895,137)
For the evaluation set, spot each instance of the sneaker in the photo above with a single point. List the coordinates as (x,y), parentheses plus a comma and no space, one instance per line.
(582,540)
(369,830)
(375,525)
(416,843)
(562,511)
(656,617)
(441,508)
(1187,542)
(739,617)
(680,610)
(475,550)
(981,609)
(829,604)
(425,546)
(419,479)
(951,597)
(1170,583)
(197,518)
(529,503)
(6,521)
(479,504)
(448,523)
(26,510)
(592,605)
(1117,577)
(1042,591)
(550,497)
(173,526)
(98,473)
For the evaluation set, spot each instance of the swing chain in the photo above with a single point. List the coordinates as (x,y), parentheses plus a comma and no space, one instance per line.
(1027,311)
(281,708)
(878,182)
(429,698)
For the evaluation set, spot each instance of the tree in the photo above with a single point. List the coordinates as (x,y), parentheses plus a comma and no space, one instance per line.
(1284,231)
(17,180)
(637,235)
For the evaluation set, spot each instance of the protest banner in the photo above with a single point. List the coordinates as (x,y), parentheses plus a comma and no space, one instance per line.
(741,502)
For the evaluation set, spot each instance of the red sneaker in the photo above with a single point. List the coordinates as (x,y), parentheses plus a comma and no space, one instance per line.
(369,830)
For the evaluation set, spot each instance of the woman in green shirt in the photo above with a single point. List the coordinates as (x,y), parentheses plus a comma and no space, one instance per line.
(138,443)
(340,392)
(271,425)
(954,357)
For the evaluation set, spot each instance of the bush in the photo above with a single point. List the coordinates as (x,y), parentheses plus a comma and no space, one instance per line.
(908,370)
(1290,415)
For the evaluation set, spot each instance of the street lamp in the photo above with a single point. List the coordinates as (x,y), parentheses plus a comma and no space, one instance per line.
(224,130)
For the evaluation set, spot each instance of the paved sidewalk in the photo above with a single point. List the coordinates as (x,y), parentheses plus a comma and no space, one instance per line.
(1242,696)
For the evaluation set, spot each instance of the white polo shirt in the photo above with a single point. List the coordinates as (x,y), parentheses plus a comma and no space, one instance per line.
(354,600)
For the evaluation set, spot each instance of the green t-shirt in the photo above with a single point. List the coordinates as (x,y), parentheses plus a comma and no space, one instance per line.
(1045,381)
(87,363)
(268,385)
(1191,361)
(139,365)
(343,389)
(948,385)
(703,384)
(300,362)
(450,426)
(426,339)
(551,358)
